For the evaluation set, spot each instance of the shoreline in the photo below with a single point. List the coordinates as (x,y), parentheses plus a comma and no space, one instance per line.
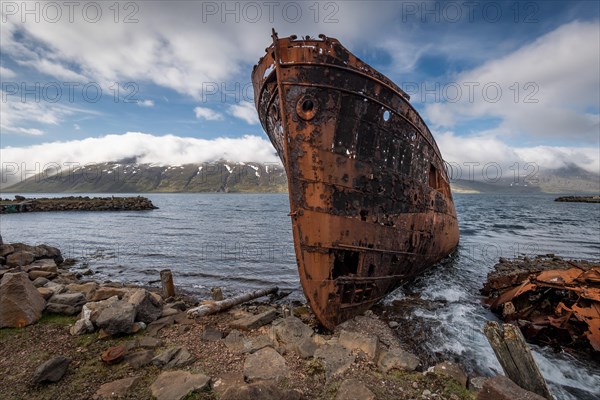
(228,351)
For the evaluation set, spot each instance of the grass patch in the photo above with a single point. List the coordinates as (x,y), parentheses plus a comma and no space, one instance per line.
(57,319)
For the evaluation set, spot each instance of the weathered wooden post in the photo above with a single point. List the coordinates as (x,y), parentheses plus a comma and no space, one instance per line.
(217,294)
(515,357)
(166,279)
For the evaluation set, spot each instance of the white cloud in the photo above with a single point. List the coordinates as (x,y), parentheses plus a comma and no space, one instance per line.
(146,148)
(484,149)
(246,112)
(18,115)
(6,73)
(207,114)
(146,103)
(555,76)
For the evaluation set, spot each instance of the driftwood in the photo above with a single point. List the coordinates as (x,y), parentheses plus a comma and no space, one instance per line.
(168,288)
(515,357)
(218,306)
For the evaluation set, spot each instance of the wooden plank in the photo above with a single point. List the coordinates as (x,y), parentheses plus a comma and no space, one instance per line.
(515,357)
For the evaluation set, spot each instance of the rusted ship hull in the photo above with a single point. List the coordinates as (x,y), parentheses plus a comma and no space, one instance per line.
(370,201)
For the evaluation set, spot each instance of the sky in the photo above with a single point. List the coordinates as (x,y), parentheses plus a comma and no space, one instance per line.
(169,82)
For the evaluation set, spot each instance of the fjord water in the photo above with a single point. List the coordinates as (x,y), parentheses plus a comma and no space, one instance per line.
(243,241)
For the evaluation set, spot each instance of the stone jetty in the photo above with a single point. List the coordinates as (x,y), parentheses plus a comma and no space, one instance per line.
(75,203)
(578,199)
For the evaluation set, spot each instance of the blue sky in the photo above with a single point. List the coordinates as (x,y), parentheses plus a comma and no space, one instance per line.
(183,69)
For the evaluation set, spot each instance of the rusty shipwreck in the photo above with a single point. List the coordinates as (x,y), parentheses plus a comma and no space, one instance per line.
(370,201)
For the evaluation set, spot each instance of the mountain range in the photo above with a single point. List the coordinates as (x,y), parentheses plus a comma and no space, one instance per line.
(126,176)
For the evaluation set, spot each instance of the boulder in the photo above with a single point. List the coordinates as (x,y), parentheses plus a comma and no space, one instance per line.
(116,318)
(453,371)
(139,358)
(147,308)
(33,275)
(174,357)
(116,389)
(45,264)
(40,282)
(265,364)
(88,289)
(103,293)
(501,388)
(64,309)
(66,303)
(260,391)
(211,334)
(291,331)
(397,359)
(254,321)
(52,370)
(20,302)
(19,258)
(45,292)
(367,343)
(50,252)
(6,249)
(235,342)
(176,385)
(335,358)
(352,389)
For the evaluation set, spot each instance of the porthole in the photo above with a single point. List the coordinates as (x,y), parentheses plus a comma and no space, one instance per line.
(307,107)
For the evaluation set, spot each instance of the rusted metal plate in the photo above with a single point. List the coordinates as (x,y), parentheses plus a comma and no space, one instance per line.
(560,307)
(369,195)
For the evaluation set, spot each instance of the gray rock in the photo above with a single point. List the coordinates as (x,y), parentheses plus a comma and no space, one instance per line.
(211,334)
(33,275)
(71,299)
(254,321)
(260,391)
(336,359)
(367,343)
(352,389)
(451,370)
(6,249)
(174,357)
(149,342)
(19,259)
(305,347)
(291,331)
(20,302)
(139,358)
(88,289)
(40,282)
(52,370)
(64,309)
(147,308)
(265,364)
(397,359)
(176,385)
(116,389)
(235,342)
(256,343)
(168,312)
(501,388)
(116,318)
(393,324)
(476,383)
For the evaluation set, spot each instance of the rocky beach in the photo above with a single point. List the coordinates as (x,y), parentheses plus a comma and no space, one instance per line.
(67,336)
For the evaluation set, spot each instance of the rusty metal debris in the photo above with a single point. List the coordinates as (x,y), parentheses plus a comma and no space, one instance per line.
(370,201)
(554,301)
